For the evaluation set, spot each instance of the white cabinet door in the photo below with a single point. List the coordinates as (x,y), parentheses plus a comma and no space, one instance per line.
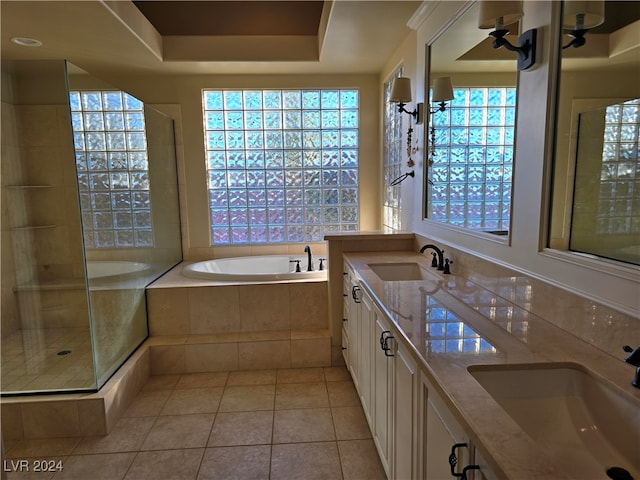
(445,442)
(365,356)
(353,325)
(382,398)
(404,422)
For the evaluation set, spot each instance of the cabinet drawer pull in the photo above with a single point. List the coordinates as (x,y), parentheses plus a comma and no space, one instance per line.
(453,461)
(354,293)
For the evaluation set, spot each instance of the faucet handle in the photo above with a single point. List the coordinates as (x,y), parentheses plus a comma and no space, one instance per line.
(634,358)
(447,262)
(434,261)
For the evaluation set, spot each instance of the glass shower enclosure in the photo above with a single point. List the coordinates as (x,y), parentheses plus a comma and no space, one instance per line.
(90,217)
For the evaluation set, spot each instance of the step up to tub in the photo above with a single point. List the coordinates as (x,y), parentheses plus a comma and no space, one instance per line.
(240,351)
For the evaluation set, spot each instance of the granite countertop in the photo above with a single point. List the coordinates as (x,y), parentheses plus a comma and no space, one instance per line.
(483,329)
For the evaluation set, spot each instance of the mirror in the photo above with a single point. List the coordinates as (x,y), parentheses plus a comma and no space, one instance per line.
(470,155)
(595,205)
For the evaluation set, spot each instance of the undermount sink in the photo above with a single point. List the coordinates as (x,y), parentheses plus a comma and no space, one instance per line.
(397,272)
(587,426)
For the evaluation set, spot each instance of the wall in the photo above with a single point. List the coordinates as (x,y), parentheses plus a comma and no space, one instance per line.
(187,91)
(41,237)
(526,252)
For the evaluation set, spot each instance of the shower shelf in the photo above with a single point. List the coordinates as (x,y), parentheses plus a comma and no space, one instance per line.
(28,187)
(32,227)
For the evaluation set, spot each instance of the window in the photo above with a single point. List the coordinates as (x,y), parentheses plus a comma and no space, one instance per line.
(112,167)
(605,218)
(392,158)
(471,170)
(282,165)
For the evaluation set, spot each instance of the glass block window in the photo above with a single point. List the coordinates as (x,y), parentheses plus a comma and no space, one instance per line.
(472,165)
(392,159)
(112,167)
(282,165)
(619,200)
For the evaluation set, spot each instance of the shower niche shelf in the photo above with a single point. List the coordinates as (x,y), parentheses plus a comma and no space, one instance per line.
(29,187)
(32,227)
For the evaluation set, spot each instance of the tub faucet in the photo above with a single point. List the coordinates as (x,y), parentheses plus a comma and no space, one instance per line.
(307,250)
(439,252)
(634,359)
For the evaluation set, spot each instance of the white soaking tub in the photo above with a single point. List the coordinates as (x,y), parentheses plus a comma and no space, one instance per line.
(256,268)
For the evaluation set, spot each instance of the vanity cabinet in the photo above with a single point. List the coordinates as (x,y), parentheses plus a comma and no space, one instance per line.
(444,439)
(412,427)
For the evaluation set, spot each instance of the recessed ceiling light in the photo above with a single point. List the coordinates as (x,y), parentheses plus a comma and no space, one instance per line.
(26,42)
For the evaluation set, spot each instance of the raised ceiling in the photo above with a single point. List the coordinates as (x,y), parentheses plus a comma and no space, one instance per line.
(217,37)
(232,17)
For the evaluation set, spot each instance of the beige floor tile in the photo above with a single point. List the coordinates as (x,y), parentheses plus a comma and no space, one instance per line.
(203,380)
(336,374)
(166,465)
(305,461)
(360,460)
(147,403)
(193,400)
(300,375)
(161,382)
(106,466)
(301,395)
(242,428)
(350,423)
(57,447)
(252,377)
(180,431)
(243,398)
(236,463)
(303,425)
(127,436)
(343,394)
(19,470)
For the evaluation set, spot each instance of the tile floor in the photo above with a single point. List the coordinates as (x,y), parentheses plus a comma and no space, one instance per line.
(267,424)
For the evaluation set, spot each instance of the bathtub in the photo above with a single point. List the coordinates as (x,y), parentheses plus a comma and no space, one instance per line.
(108,268)
(255,268)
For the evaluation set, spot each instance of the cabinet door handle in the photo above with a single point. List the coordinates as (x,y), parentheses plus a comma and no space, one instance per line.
(453,461)
(354,293)
(384,337)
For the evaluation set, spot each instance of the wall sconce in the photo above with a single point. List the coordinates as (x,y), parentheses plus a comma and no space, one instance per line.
(441,93)
(579,17)
(499,14)
(401,94)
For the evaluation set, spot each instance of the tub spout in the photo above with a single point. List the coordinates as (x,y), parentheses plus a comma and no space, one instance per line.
(307,250)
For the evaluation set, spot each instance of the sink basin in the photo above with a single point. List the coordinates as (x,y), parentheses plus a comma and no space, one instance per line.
(587,426)
(397,272)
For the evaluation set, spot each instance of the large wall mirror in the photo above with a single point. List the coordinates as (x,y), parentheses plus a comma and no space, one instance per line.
(595,208)
(469,159)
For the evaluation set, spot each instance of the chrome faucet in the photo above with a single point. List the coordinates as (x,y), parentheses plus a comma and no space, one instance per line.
(439,252)
(307,250)
(634,359)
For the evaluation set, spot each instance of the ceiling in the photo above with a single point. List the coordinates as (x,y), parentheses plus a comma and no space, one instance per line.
(206,37)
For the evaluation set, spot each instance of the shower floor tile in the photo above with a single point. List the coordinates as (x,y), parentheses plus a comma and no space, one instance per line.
(315,436)
(47,359)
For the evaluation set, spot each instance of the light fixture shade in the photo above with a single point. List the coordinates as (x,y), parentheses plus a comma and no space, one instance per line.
(442,89)
(510,12)
(401,90)
(592,11)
